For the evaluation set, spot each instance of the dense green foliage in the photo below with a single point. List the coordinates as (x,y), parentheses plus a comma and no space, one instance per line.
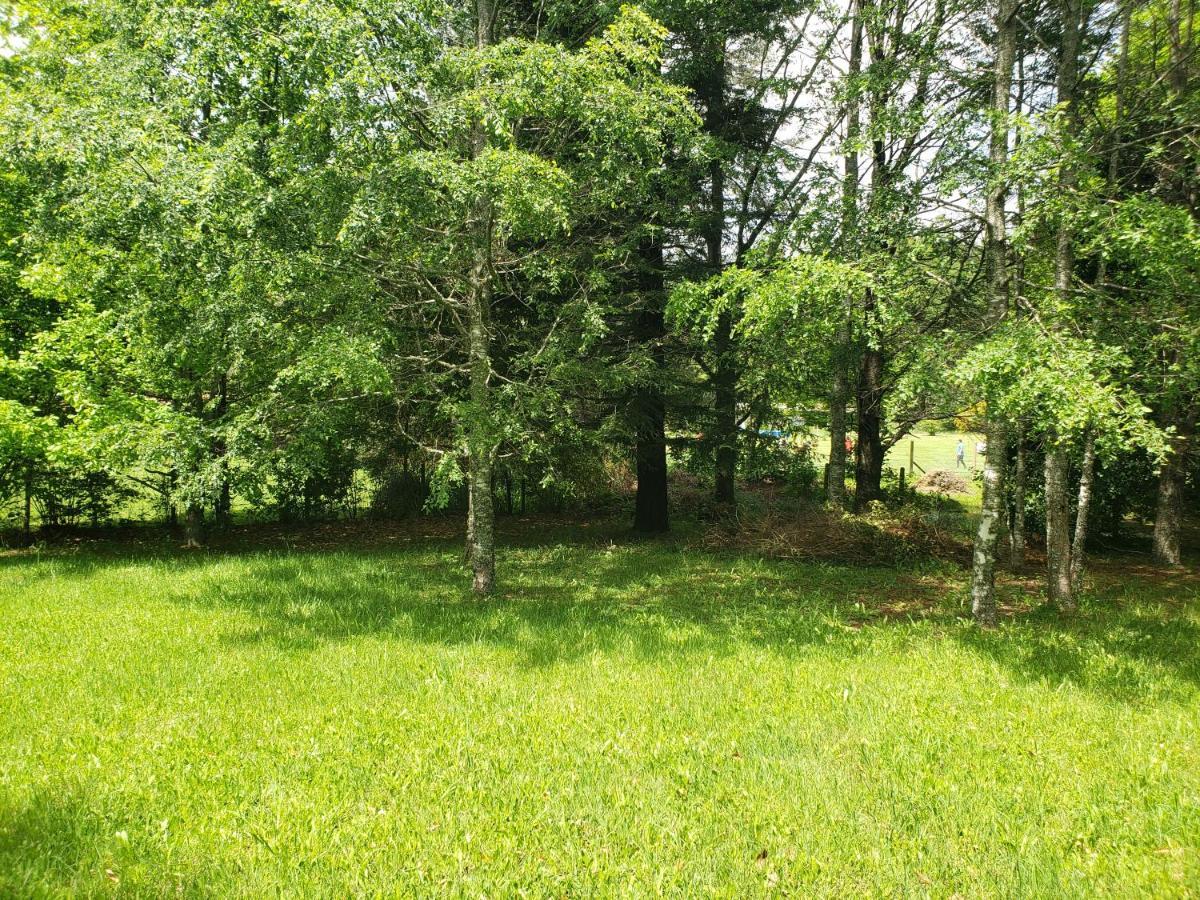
(296,259)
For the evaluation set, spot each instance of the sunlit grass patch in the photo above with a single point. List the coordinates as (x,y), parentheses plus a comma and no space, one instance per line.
(623,719)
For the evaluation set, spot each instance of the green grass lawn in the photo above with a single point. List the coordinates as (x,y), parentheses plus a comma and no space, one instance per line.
(627,719)
(929,451)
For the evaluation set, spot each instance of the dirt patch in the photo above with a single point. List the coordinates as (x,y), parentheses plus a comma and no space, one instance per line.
(940,481)
(879,538)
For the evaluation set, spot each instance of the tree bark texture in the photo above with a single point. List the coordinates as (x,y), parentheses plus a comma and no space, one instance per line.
(1058,536)
(868,455)
(480,438)
(1087,474)
(839,392)
(1172,479)
(983,566)
(1020,487)
(724,374)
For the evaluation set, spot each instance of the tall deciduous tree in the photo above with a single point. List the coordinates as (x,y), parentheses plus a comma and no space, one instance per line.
(487,190)
(983,598)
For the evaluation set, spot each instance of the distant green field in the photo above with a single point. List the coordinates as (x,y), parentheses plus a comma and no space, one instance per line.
(929,451)
(626,719)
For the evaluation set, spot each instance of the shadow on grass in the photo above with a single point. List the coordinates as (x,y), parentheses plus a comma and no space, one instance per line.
(569,590)
(653,602)
(553,607)
(1120,649)
(59,845)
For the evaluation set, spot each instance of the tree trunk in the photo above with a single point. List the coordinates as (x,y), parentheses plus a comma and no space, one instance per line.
(839,393)
(470,539)
(223,508)
(1083,508)
(1058,524)
(835,486)
(868,457)
(1168,516)
(27,524)
(193,527)
(1118,121)
(224,505)
(482,525)
(1068,76)
(983,568)
(481,446)
(724,376)
(172,512)
(983,562)
(725,409)
(1020,487)
(868,469)
(650,514)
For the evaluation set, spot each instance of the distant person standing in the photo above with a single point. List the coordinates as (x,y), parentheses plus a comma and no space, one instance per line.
(960,455)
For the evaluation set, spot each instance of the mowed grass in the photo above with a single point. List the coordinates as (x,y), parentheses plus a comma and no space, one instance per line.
(929,451)
(625,719)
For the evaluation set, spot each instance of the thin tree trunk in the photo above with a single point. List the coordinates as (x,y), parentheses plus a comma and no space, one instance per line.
(172,512)
(983,560)
(480,438)
(1087,475)
(725,374)
(224,506)
(1114,150)
(983,568)
(28,515)
(725,409)
(868,457)
(470,539)
(1068,76)
(1058,525)
(1020,487)
(839,393)
(220,449)
(835,486)
(651,515)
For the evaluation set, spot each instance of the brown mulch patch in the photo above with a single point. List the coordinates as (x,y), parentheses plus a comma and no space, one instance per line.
(941,481)
(880,538)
